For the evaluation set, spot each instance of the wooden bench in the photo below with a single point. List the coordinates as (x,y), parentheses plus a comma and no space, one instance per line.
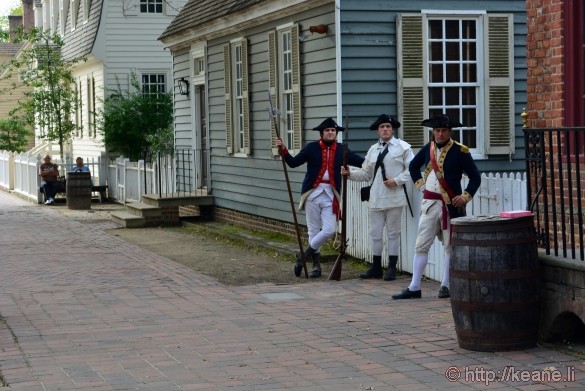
(100,189)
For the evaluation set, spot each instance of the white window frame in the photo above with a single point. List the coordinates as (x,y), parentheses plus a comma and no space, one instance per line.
(238,98)
(156,3)
(284,82)
(477,151)
(161,87)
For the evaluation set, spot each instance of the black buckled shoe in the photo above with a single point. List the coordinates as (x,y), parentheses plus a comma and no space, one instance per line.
(315,274)
(444,293)
(407,294)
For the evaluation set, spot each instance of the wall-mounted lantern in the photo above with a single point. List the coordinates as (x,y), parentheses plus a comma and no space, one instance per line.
(183,86)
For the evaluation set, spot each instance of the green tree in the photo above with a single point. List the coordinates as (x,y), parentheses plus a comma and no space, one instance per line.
(133,121)
(52,100)
(13,135)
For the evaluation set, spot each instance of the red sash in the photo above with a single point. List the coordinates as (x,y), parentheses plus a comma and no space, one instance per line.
(430,195)
(439,174)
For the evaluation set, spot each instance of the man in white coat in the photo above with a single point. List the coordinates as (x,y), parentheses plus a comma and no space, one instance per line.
(386,165)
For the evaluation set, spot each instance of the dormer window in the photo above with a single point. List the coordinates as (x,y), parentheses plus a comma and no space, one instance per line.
(151,6)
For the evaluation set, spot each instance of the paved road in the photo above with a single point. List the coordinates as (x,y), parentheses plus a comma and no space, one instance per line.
(83,310)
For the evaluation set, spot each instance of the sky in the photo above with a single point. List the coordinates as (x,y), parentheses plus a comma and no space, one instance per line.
(7,5)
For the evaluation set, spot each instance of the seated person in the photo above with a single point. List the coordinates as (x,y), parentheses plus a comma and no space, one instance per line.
(79,166)
(49,173)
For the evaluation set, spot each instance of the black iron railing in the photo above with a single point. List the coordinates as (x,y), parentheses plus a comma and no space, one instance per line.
(555,164)
(174,172)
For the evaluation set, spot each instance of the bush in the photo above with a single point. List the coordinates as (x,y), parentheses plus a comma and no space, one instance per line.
(13,135)
(133,121)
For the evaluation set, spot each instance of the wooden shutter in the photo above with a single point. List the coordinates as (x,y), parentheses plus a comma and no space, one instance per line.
(499,84)
(272,83)
(296,80)
(228,97)
(411,91)
(245,100)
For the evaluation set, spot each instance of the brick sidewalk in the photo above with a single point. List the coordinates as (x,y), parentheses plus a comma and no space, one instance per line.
(84,310)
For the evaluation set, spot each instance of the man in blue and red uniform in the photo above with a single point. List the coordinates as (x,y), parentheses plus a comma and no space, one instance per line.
(445,162)
(320,193)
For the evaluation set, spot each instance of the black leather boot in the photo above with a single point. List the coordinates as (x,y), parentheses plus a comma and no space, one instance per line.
(299,265)
(375,271)
(391,272)
(316,272)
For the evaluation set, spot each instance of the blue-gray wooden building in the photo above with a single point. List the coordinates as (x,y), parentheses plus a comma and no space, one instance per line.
(411,58)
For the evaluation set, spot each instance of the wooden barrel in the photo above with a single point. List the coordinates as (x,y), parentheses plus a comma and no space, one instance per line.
(78,190)
(494,283)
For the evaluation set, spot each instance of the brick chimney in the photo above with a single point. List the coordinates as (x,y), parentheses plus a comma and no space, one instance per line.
(28,14)
(14,22)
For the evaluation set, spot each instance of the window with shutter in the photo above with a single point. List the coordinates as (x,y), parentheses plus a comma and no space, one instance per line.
(285,84)
(460,65)
(236,98)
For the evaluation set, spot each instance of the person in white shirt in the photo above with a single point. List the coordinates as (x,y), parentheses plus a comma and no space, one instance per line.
(386,166)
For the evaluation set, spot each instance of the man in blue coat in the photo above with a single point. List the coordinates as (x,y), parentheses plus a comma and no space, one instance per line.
(320,193)
(445,162)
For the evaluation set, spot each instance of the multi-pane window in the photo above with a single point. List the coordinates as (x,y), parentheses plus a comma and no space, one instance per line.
(454,74)
(286,88)
(153,83)
(199,66)
(285,84)
(238,114)
(151,6)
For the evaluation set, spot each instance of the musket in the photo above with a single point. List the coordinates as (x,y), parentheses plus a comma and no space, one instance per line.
(337,266)
(273,117)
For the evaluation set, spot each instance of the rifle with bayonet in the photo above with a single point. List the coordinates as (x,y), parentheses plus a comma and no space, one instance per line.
(273,115)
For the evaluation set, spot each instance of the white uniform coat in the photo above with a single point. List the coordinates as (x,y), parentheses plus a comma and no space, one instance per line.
(396,164)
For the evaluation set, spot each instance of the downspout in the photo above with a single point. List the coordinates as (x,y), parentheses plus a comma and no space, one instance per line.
(338,78)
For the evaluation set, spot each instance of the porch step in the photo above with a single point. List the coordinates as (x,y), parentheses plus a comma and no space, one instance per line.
(143,210)
(128,220)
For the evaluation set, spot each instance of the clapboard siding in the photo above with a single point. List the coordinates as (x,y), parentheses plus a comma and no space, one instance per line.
(255,184)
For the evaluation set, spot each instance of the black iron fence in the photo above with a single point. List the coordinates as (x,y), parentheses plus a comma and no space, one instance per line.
(555,163)
(175,172)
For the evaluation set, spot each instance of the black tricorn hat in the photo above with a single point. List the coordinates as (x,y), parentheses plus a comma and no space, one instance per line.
(385,119)
(328,123)
(441,121)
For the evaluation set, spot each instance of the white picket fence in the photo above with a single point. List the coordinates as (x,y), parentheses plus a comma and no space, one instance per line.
(125,179)
(497,193)
(126,182)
